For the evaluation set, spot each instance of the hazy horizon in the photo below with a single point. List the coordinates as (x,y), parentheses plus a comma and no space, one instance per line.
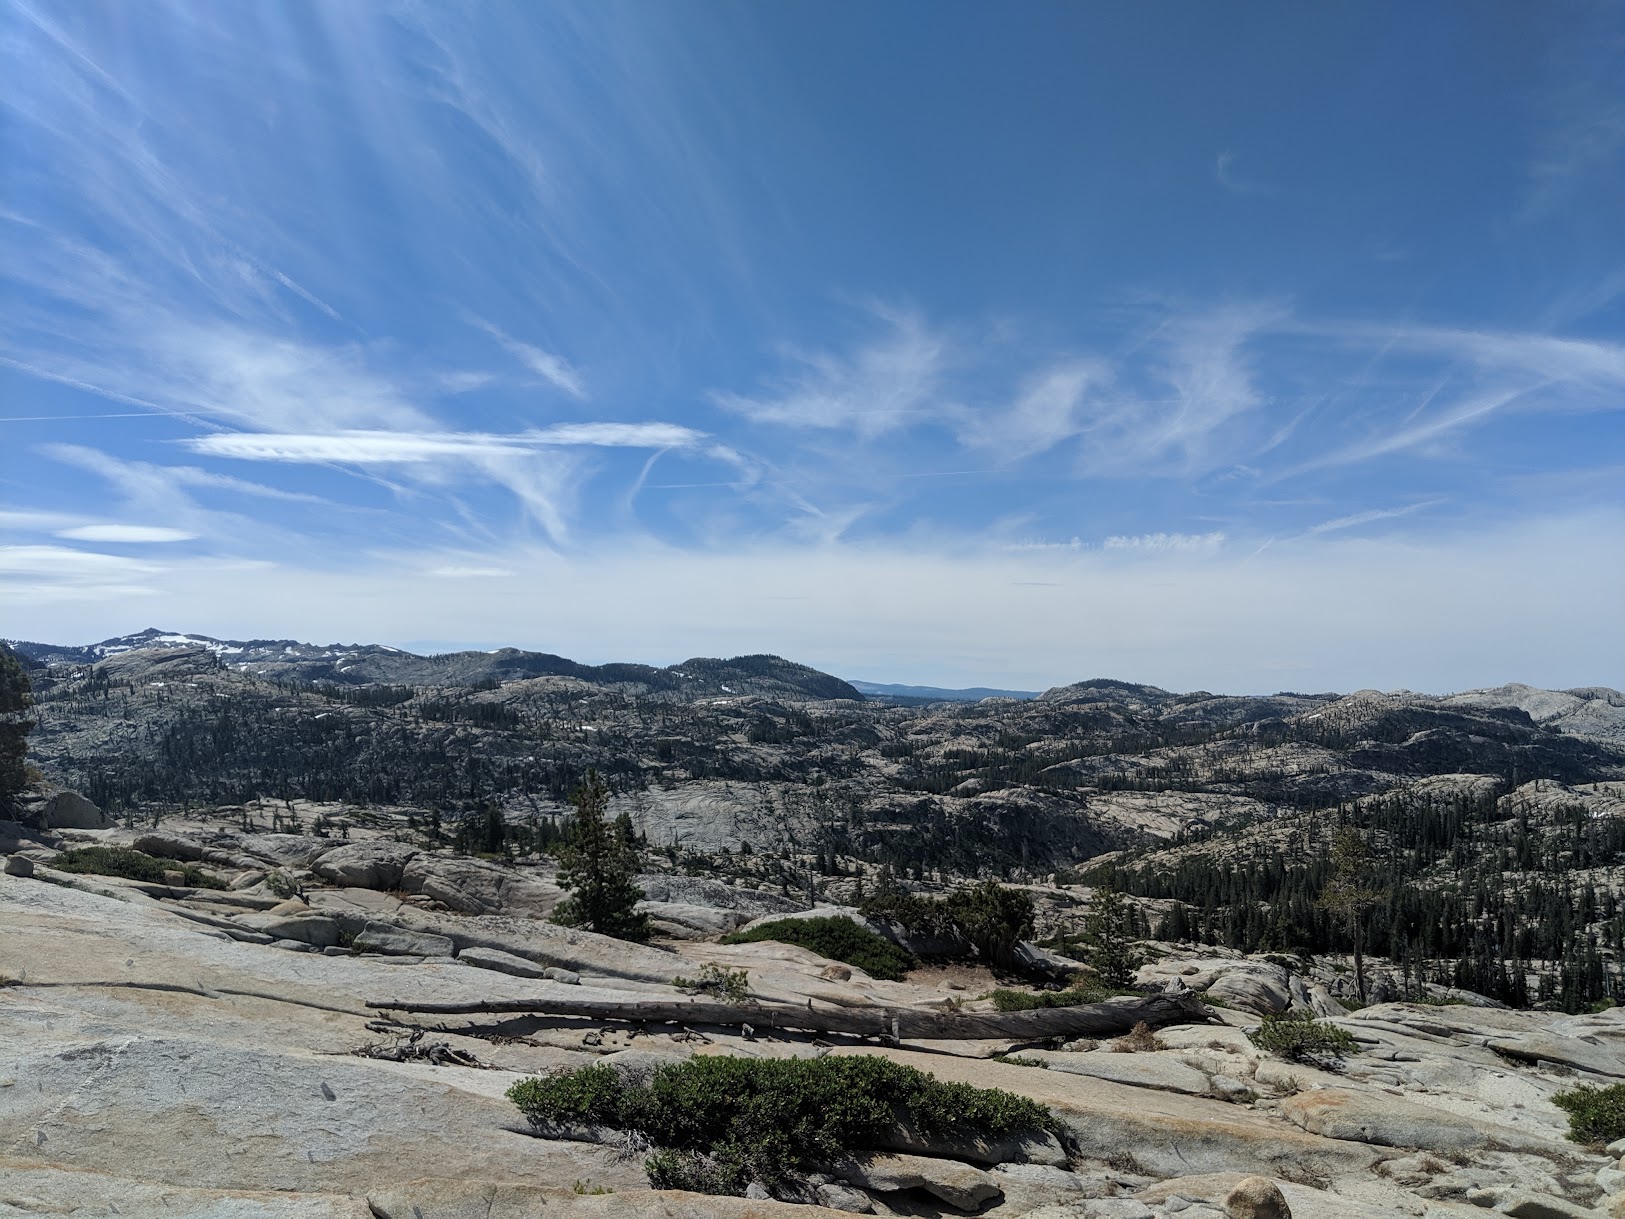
(430,647)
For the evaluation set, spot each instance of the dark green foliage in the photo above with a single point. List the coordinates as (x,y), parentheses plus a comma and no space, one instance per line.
(1108,936)
(720,1122)
(493,830)
(991,918)
(1473,890)
(1302,1038)
(1596,1115)
(839,939)
(16,697)
(1089,990)
(132,865)
(592,1094)
(597,865)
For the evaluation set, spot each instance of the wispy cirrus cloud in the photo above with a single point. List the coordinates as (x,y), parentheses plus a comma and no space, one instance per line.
(891,381)
(1470,377)
(360,447)
(132,534)
(551,368)
(1049,411)
(43,575)
(1355,519)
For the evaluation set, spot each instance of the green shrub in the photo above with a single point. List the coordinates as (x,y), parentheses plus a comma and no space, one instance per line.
(280,884)
(1596,1115)
(717,981)
(132,865)
(1299,1037)
(839,939)
(990,917)
(718,1122)
(1088,990)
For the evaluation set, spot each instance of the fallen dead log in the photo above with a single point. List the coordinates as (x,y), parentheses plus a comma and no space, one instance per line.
(1112,1017)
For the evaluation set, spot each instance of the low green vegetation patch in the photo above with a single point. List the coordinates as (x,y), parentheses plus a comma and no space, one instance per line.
(1596,1115)
(1299,1037)
(989,917)
(838,938)
(1087,990)
(718,1123)
(132,865)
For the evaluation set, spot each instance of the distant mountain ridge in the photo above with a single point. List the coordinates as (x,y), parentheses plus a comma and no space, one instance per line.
(379,664)
(973,694)
(1597,712)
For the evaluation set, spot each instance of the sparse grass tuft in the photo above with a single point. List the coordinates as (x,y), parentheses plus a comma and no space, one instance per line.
(1138,1040)
(717,981)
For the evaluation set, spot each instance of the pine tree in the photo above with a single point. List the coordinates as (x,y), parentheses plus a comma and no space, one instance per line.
(495,830)
(1107,934)
(16,697)
(597,865)
(1348,895)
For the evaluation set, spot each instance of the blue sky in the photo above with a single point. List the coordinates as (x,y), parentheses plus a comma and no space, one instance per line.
(1244,348)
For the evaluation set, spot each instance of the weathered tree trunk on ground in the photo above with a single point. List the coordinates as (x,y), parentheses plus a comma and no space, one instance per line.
(1112,1017)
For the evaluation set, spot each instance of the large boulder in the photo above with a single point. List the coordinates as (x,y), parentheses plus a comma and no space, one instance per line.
(1583,1054)
(1384,1120)
(474,886)
(702,891)
(1026,1147)
(376,864)
(1256,1198)
(169,846)
(398,942)
(71,811)
(959,1185)
(307,926)
(1260,987)
(683,921)
(582,952)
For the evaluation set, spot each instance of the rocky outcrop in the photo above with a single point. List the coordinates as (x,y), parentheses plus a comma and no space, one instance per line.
(474,886)
(1384,1120)
(959,1185)
(393,941)
(375,864)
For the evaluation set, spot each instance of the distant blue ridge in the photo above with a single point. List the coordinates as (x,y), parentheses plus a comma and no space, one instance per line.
(971,695)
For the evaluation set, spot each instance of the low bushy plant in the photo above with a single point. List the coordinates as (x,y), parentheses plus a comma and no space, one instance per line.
(990,917)
(717,981)
(1596,1115)
(719,1122)
(1138,1040)
(280,884)
(1299,1037)
(131,865)
(838,938)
